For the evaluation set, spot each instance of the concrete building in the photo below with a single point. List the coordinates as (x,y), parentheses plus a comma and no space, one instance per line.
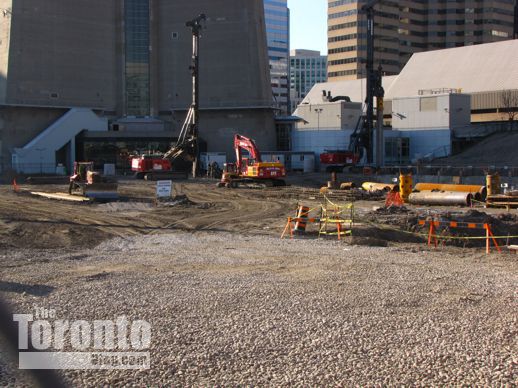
(277,19)
(439,102)
(406,27)
(119,80)
(307,68)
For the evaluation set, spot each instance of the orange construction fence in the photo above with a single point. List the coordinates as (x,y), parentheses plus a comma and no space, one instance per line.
(435,224)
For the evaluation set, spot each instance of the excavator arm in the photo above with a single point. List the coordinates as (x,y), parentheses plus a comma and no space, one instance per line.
(244,143)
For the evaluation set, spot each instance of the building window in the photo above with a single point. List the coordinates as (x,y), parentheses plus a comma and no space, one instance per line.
(137,78)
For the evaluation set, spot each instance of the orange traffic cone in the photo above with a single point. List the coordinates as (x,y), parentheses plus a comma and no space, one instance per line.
(393,199)
(16,188)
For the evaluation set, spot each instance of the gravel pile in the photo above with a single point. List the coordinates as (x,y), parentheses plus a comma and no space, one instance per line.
(253,310)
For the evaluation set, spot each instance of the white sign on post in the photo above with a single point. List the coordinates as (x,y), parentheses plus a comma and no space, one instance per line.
(164,189)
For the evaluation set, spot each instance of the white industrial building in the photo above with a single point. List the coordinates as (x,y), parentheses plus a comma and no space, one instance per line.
(427,121)
(439,96)
(326,126)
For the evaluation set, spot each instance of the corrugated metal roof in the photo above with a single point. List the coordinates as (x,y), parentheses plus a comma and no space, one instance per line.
(474,69)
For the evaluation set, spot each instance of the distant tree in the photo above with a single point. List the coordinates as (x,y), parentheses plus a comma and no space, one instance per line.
(509,104)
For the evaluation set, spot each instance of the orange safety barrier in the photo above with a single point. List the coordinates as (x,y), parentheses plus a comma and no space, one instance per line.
(16,188)
(296,220)
(393,199)
(302,214)
(435,224)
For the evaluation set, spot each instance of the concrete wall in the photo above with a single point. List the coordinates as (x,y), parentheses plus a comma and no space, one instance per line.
(63,53)
(329,116)
(460,110)
(217,128)
(18,126)
(5,33)
(432,143)
(73,49)
(234,69)
(431,111)
(235,91)
(320,141)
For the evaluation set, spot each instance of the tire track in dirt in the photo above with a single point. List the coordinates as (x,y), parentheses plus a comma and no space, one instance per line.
(29,221)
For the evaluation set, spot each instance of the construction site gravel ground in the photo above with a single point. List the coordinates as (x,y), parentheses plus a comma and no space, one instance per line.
(231,304)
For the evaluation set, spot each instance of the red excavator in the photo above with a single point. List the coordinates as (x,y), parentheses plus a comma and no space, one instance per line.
(251,169)
(153,167)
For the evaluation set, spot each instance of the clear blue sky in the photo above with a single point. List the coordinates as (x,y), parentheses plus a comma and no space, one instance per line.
(308,28)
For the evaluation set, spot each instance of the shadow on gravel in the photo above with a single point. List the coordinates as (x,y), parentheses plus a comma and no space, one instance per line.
(31,289)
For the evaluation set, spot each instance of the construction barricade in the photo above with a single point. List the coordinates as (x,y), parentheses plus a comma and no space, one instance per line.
(341,217)
(334,220)
(435,225)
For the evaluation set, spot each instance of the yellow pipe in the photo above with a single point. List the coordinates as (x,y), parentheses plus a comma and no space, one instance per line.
(451,187)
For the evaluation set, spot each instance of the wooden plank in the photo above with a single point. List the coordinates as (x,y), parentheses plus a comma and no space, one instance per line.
(61,196)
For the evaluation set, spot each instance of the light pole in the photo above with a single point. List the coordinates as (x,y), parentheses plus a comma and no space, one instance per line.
(318,111)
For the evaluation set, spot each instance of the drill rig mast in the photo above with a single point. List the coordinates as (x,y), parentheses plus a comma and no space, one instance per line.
(188,139)
(363,135)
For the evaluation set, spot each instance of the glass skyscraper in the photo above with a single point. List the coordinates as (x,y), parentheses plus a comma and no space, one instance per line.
(277,32)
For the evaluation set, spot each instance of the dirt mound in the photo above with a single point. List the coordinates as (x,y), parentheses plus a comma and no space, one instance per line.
(400,217)
(179,200)
(498,149)
(51,235)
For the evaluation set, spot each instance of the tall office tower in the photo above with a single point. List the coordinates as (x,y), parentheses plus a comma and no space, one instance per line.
(409,26)
(70,66)
(277,20)
(307,68)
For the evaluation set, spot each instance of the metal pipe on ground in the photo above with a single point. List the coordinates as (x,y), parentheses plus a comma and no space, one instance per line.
(375,186)
(441,198)
(482,190)
(347,185)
